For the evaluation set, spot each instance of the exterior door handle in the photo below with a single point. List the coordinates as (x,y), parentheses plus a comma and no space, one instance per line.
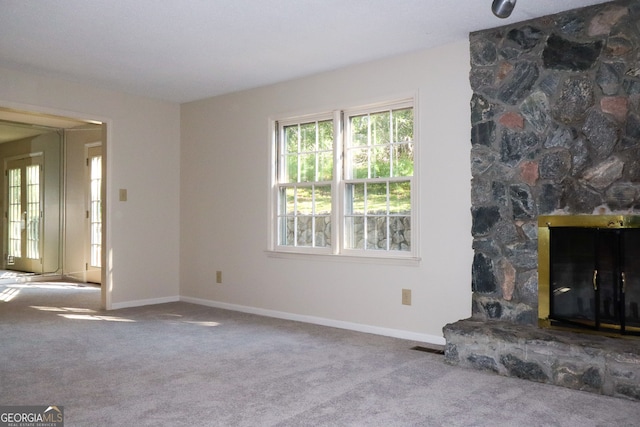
(624,282)
(595,280)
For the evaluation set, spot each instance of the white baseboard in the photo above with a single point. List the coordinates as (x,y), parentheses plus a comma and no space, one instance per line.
(141,302)
(395,333)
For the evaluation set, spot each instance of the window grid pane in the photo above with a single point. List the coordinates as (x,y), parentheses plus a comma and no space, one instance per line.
(307,164)
(291,171)
(325,136)
(380,128)
(305,215)
(383,210)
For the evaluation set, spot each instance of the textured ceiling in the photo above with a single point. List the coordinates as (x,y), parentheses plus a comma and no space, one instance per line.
(193,49)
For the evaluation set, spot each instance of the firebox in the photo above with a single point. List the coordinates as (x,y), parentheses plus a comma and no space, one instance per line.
(589,272)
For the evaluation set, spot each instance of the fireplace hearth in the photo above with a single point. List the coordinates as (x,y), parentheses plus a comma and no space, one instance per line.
(593,363)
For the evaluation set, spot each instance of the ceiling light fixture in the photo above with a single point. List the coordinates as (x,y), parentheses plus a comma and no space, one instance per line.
(503,8)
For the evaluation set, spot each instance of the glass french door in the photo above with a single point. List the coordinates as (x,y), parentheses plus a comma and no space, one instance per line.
(94,214)
(24,214)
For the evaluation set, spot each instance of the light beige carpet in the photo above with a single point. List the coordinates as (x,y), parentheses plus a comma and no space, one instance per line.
(180,364)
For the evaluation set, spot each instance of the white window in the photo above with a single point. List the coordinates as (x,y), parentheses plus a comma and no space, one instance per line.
(344,182)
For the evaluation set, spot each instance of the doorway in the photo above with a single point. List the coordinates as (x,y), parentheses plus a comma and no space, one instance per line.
(53,192)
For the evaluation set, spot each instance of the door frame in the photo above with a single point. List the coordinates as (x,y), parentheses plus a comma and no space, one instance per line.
(107,200)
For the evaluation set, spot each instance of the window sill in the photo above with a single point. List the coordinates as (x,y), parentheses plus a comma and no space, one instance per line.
(324,257)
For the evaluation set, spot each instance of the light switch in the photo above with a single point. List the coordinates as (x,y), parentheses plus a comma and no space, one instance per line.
(123,194)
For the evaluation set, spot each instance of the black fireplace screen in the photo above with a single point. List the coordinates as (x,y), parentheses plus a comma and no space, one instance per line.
(593,277)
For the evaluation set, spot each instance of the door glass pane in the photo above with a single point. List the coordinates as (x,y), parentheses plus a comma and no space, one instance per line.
(14,214)
(95,212)
(607,256)
(33,211)
(631,248)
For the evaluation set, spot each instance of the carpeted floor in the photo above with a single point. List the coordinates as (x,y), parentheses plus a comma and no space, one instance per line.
(181,364)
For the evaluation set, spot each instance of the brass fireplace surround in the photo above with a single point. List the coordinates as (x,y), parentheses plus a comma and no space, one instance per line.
(545,223)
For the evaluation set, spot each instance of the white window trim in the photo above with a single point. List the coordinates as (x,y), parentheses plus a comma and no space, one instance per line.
(337,250)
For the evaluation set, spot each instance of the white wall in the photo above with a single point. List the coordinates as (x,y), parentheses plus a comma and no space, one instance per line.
(224,199)
(143,150)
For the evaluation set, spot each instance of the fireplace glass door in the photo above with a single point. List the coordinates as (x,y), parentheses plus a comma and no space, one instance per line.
(595,278)
(631,279)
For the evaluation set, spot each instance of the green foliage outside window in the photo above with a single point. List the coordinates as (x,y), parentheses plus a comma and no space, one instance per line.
(309,152)
(378,165)
(381,144)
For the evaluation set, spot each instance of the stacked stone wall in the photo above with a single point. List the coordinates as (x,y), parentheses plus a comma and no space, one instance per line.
(396,233)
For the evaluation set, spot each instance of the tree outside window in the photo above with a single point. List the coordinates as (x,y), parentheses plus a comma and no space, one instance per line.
(351,196)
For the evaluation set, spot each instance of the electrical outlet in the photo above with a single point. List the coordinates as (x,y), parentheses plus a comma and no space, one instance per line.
(218,276)
(406,296)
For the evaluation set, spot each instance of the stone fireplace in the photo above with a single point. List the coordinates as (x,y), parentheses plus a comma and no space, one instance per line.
(555,118)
